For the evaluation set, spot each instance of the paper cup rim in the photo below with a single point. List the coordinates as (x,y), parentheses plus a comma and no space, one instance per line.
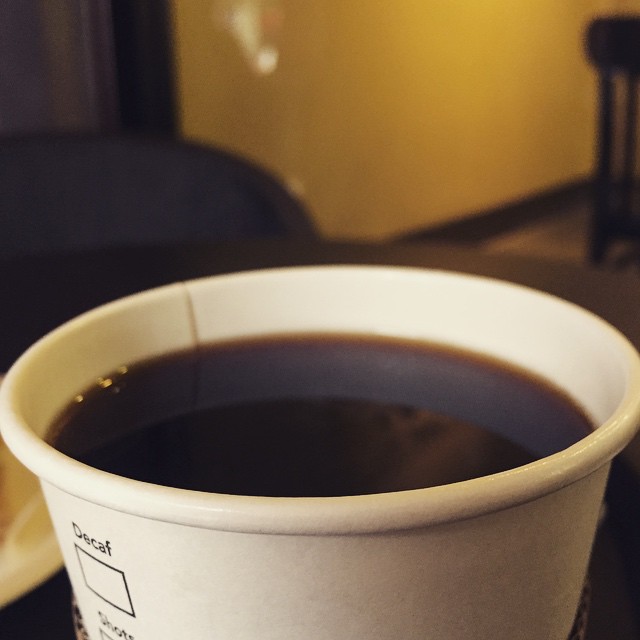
(371,513)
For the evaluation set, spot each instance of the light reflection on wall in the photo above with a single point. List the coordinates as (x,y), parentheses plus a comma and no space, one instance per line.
(255,25)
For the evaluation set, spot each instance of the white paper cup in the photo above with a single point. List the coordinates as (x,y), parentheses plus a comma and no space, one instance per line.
(502,556)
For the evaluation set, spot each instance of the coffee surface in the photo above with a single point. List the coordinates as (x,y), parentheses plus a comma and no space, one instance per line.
(312,415)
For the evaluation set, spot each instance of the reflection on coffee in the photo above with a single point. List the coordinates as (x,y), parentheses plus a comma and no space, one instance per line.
(315,415)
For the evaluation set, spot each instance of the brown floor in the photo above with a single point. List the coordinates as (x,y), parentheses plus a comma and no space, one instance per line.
(562,235)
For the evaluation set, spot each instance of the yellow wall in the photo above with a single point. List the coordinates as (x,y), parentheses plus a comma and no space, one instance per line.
(393,116)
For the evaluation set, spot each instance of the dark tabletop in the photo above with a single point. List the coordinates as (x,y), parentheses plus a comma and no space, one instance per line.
(39,293)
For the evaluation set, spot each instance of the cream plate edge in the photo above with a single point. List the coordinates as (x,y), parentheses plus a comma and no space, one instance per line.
(29,552)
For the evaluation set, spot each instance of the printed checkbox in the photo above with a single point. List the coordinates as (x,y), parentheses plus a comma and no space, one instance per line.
(107,582)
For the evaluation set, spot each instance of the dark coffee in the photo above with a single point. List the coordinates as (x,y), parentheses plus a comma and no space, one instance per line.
(315,415)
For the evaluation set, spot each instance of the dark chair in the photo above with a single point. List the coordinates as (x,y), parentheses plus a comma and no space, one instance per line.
(71,192)
(613,47)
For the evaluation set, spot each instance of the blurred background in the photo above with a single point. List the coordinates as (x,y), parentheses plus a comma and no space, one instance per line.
(390,119)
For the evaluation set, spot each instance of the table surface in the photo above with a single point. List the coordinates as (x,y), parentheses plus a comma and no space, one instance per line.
(40,293)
